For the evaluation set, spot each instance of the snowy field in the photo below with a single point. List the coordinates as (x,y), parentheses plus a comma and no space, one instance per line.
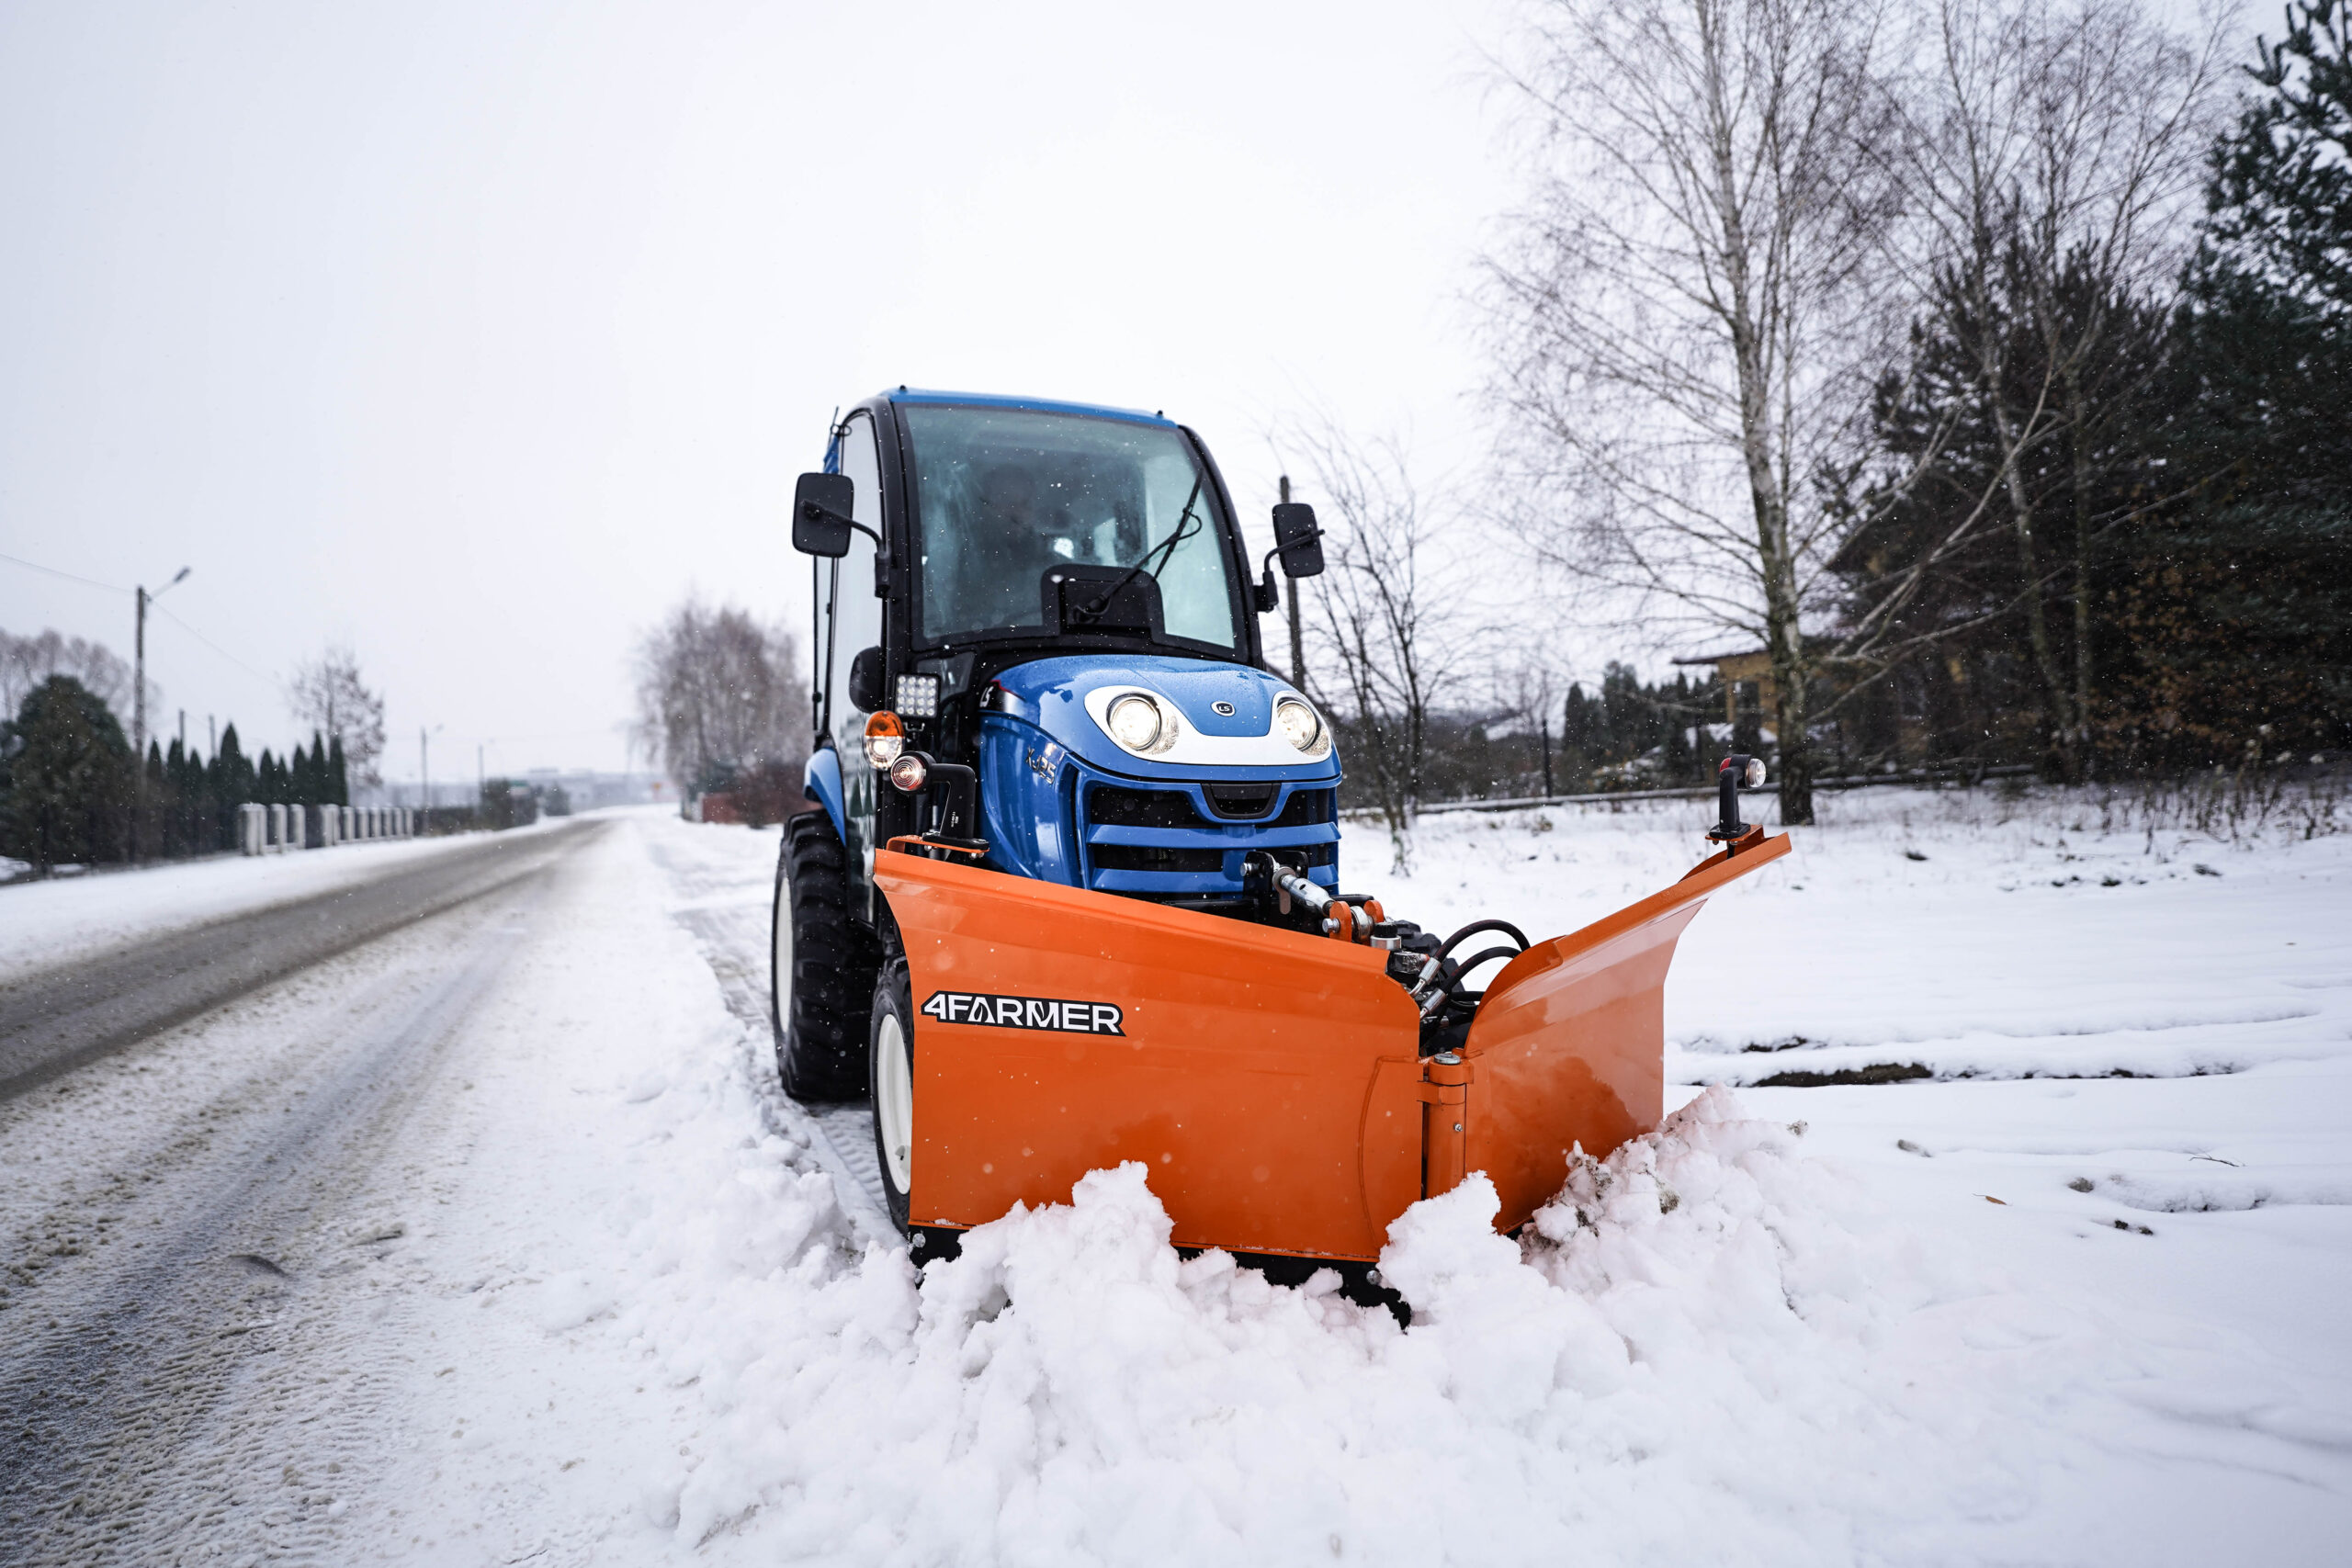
(613,1303)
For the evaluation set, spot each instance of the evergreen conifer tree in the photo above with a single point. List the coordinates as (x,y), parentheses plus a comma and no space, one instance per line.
(2247,590)
(65,777)
(155,806)
(338,777)
(232,785)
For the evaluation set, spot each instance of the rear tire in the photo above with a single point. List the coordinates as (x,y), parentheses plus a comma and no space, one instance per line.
(822,966)
(890,1046)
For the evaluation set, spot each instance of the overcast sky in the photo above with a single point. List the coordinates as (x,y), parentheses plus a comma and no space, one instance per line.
(474,335)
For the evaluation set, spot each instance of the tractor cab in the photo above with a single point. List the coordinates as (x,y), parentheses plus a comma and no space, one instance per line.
(1056,597)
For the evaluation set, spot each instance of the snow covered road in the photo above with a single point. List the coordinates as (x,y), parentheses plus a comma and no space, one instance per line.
(88,1001)
(492,1241)
(167,1207)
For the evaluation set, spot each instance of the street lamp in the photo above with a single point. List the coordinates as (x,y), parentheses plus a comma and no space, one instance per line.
(139,707)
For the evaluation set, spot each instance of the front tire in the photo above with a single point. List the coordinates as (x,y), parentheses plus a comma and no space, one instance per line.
(820,971)
(890,1055)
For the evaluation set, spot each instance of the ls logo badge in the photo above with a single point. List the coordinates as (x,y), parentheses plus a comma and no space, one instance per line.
(1223,710)
(1024,1012)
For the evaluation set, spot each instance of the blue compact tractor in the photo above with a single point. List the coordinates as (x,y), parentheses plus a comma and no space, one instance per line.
(1036,635)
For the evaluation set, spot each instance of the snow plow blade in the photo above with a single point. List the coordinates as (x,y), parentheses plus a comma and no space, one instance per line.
(1271,1081)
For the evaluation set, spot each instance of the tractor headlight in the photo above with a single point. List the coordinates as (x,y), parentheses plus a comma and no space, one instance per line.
(1299,724)
(1136,723)
(885,738)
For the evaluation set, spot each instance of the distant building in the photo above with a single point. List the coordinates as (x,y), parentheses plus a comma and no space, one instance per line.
(584,788)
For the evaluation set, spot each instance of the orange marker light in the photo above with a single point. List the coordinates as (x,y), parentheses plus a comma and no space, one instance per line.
(885,738)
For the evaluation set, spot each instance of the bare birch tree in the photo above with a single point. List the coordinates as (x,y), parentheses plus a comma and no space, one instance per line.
(329,694)
(1387,618)
(1689,311)
(718,691)
(2032,140)
(27,661)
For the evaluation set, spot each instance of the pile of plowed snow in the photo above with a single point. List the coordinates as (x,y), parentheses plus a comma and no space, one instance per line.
(1709,1338)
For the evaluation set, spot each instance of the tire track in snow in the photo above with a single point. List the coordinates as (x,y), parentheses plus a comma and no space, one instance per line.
(730,924)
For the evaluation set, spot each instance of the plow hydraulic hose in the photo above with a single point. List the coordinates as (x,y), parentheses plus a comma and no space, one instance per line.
(1440,977)
(1474,926)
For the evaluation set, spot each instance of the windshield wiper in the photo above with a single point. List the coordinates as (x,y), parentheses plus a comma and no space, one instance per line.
(1186,526)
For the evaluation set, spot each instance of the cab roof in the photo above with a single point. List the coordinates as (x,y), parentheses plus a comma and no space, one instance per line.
(912,395)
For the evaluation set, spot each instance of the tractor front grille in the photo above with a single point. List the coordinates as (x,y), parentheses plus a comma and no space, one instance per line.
(1190,840)
(1112,807)
(1156,857)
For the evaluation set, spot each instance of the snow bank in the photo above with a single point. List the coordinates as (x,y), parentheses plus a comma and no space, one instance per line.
(1702,1341)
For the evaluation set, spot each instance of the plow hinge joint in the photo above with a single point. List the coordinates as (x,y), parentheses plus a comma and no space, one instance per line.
(1445,1090)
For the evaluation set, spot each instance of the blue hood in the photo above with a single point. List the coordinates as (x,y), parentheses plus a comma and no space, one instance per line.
(1051,694)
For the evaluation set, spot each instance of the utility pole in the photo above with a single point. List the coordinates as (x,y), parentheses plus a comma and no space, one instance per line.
(425,759)
(211,736)
(1297,643)
(182,730)
(139,708)
(139,679)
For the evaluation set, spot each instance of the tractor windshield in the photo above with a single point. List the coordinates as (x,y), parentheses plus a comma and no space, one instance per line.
(1004,495)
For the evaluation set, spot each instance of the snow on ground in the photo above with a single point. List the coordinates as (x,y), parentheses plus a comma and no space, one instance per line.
(44,923)
(1829,1324)
(623,1308)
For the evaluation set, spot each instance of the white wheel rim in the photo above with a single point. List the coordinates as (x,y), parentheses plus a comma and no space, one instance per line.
(894,1103)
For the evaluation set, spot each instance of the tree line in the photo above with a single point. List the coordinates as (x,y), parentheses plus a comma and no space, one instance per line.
(1979,366)
(72,792)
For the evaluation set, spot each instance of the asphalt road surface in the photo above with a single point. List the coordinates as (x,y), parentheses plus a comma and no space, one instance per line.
(192,1128)
(56,1020)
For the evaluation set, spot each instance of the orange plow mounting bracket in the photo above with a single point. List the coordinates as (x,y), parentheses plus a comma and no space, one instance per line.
(1271,1081)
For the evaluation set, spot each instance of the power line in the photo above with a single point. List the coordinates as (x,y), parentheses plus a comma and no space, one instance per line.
(93,582)
(211,644)
(69,577)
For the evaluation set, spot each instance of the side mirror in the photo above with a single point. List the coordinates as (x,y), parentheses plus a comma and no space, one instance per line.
(822,505)
(1297,540)
(865,677)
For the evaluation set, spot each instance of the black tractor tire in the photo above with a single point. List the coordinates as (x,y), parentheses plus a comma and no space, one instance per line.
(893,1030)
(822,963)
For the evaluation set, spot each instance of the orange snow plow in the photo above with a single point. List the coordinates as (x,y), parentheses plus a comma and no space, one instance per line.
(1286,1092)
